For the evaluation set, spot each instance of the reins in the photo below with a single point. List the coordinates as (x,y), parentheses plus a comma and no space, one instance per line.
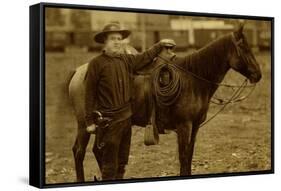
(201,78)
(236,98)
(218,101)
(232,99)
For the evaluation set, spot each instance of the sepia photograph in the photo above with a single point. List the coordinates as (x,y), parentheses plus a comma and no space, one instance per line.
(136,95)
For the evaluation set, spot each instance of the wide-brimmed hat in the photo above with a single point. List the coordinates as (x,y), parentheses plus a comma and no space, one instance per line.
(109,28)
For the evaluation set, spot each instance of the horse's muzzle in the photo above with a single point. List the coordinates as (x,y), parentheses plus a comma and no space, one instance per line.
(255,78)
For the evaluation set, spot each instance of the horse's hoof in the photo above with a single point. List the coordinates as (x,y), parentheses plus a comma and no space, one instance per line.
(96,179)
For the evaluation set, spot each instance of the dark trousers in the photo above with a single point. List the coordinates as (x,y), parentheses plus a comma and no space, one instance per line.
(114,155)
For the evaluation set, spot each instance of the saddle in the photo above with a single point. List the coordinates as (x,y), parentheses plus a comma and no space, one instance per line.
(143,102)
(145,106)
(145,109)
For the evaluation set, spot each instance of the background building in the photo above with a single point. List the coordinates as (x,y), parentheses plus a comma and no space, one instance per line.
(75,28)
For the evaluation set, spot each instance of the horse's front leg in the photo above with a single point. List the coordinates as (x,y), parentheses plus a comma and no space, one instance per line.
(191,147)
(79,150)
(184,131)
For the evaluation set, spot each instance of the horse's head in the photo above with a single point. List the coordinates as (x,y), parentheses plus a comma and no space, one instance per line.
(243,59)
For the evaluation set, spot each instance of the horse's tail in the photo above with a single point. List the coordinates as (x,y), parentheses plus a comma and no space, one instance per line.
(68,80)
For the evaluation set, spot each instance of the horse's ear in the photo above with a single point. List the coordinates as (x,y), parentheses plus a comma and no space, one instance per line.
(241,27)
(239,31)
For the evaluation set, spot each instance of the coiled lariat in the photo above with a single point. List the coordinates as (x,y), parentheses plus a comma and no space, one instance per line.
(166,94)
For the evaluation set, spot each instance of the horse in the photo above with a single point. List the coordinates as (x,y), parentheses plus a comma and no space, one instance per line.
(199,75)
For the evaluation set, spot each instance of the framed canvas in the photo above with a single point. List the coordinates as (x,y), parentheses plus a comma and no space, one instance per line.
(126,95)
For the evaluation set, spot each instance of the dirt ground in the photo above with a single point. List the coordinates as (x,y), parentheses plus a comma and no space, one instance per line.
(237,140)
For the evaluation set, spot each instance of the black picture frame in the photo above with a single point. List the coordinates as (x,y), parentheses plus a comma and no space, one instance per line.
(37,93)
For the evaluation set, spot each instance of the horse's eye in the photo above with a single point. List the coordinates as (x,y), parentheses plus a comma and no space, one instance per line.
(243,46)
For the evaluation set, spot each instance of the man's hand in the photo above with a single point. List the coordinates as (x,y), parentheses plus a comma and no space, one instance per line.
(167,43)
(92,129)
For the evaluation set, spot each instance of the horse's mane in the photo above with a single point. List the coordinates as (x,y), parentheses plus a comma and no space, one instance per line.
(208,61)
